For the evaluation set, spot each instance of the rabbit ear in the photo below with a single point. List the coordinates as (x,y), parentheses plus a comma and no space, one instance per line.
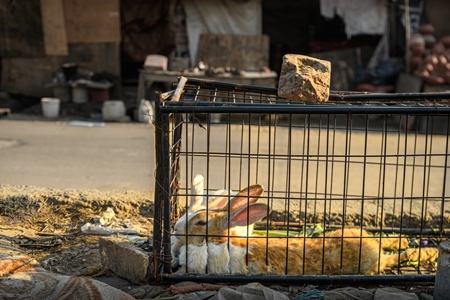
(218,200)
(247,196)
(247,215)
(197,193)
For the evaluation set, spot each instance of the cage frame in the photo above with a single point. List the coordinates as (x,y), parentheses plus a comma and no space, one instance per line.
(168,164)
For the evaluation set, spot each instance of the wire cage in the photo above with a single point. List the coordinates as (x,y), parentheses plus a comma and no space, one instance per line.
(351,190)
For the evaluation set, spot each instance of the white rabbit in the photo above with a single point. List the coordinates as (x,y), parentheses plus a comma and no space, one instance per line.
(194,205)
(197,202)
(215,256)
(192,258)
(348,251)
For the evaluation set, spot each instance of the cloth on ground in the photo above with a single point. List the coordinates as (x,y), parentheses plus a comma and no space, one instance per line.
(351,293)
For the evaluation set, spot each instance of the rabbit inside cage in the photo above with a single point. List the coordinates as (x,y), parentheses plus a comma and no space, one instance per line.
(308,194)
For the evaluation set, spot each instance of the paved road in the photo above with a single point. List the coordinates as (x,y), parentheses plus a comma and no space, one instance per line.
(121,156)
(55,155)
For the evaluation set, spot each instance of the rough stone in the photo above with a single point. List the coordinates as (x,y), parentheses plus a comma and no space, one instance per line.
(442,281)
(126,260)
(304,78)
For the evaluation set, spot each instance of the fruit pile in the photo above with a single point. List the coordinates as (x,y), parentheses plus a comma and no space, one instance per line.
(430,58)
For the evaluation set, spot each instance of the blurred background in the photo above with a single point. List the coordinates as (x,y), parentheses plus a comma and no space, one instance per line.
(88,52)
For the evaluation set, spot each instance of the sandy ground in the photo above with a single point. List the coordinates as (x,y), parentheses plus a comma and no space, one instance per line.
(27,212)
(46,224)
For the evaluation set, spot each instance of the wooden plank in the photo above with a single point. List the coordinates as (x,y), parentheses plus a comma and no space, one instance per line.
(21,28)
(54,27)
(92,21)
(244,52)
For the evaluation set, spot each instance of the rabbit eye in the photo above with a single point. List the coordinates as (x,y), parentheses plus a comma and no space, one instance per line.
(200,223)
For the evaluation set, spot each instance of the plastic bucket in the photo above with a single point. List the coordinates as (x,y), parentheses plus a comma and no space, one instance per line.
(98,95)
(113,110)
(50,107)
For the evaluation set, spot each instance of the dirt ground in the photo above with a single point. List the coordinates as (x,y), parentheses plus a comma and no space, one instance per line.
(46,225)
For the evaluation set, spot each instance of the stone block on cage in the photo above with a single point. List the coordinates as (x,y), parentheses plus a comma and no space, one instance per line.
(304,78)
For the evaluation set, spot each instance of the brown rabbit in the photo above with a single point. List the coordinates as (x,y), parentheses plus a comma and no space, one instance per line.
(351,251)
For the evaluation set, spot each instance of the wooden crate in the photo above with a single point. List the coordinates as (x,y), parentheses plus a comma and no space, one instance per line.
(244,52)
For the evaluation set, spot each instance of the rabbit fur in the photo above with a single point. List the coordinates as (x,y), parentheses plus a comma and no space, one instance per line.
(197,202)
(347,251)
(425,255)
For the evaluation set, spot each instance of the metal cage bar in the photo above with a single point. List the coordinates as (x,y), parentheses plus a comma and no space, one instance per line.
(328,166)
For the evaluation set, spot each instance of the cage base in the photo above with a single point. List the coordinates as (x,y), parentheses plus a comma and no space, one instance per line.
(318,279)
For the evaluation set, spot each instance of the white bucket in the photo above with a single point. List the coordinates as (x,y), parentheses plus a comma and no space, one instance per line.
(50,107)
(80,94)
(113,110)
